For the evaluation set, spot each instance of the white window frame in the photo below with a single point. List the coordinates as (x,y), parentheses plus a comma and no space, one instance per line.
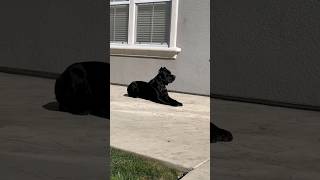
(169,51)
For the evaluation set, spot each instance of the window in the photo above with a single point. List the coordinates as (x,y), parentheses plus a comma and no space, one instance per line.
(119,16)
(144,28)
(153,23)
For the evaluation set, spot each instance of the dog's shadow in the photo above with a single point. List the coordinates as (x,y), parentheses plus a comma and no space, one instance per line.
(54,106)
(126,95)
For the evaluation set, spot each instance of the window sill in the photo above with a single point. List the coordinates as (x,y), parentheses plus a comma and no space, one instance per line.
(144,51)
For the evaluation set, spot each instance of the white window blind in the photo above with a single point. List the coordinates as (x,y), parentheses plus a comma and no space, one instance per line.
(119,16)
(153,23)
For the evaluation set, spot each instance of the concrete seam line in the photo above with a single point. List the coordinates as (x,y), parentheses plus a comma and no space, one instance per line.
(195,167)
(200,164)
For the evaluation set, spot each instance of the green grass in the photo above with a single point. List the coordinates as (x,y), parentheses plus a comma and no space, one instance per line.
(128,166)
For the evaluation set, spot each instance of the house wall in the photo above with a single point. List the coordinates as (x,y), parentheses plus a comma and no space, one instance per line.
(192,67)
(45,35)
(267,50)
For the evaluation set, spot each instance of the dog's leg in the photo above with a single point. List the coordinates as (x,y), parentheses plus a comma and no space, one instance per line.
(101,112)
(161,101)
(217,134)
(169,101)
(62,108)
(174,102)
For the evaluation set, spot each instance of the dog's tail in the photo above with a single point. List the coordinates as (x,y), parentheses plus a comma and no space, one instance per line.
(133,90)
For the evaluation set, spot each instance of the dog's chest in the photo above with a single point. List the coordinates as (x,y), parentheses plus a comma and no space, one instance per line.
(163,89)
(159,87)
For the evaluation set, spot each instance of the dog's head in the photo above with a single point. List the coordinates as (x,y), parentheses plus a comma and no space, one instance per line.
(166,76)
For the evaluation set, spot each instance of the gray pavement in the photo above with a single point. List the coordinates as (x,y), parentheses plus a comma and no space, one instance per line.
(39,143)
(176,135)
(270,143)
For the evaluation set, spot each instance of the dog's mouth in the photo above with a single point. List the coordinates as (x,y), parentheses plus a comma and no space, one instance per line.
(172,78)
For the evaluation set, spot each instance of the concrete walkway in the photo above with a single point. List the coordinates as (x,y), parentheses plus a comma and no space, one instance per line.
(176,135)
(40,143)
(270,143)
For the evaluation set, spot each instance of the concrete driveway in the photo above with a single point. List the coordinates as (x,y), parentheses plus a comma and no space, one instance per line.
(38,143)
(178,136)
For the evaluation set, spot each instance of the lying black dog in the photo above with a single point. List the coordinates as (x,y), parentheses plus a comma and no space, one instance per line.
(218,134)
(83,88)
(154,90)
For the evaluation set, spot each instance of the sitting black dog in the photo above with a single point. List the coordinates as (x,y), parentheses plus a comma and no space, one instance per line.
(154,90)
(218,134)
(83,88)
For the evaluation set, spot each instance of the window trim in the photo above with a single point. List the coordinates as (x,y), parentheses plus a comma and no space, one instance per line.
(145,49)
(119,2)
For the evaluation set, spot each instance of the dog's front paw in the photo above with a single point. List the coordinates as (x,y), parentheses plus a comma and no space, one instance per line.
(177,104)
(218,134)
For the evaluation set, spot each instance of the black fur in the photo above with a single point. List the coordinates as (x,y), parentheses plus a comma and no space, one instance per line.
(218,134)
(155,90)
(83,88)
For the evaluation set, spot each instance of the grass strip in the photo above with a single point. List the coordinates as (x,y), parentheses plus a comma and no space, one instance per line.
(129,166)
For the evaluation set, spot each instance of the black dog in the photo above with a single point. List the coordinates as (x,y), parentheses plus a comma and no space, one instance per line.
(154,90)
(218,134)
(83,88)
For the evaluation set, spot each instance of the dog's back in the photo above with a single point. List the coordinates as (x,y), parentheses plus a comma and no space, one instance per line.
(140,89)
(83,88)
